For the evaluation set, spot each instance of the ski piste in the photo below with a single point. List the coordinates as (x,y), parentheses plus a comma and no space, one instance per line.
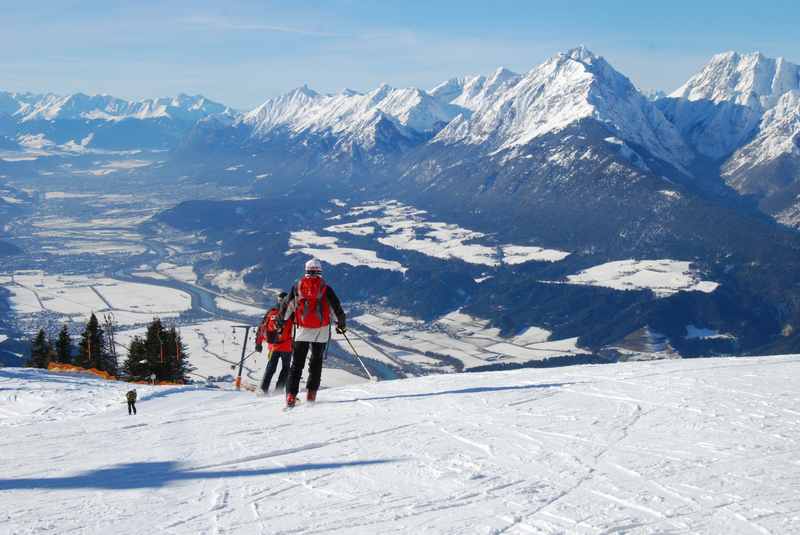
(300,404)
(678,446)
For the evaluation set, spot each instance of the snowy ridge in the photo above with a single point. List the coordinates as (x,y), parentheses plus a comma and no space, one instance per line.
(30,107)
(350,114)
(751,80)
(565,89)
(476,92)
(677,446)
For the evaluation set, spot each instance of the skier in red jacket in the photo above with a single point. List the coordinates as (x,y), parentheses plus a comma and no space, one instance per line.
(278,335)
(310,304)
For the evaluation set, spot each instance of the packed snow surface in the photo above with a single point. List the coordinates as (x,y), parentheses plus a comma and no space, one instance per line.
(663,277)
(683,446)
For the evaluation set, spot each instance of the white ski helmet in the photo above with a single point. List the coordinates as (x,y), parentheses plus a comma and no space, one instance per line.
(313,266)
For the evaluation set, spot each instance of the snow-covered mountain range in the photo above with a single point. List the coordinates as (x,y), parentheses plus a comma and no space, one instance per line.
(107,121)
(30,107)
(567,157)
(740,113)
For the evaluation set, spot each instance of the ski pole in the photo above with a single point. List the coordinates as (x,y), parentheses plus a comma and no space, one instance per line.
(373,346)
(371,377)
(328,343)
(233,366)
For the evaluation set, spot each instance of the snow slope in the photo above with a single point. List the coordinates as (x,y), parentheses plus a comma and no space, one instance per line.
(695,446)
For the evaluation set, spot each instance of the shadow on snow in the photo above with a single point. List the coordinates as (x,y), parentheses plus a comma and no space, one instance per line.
(160,474)
(473,390)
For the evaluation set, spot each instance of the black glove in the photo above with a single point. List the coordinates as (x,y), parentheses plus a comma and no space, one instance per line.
(341,328)
(259,347)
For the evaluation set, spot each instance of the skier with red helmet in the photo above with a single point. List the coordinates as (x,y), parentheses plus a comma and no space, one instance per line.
(310,303)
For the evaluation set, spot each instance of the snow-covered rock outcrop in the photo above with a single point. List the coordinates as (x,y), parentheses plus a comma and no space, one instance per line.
(778,135)
(720,107)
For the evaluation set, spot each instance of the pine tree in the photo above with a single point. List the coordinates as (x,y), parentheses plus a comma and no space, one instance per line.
(179,367)
(40,351)
(63,349)
(155,348)
(161,352)
(137,366)
(92,348)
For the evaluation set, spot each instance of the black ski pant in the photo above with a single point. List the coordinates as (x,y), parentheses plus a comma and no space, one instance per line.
(299,362)
(285,358)
(131,407)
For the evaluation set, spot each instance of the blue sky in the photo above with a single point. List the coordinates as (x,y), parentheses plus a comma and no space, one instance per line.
(241,52)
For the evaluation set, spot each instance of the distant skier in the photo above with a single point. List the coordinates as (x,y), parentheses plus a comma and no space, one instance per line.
(131,396)
(310,303)
(279,343)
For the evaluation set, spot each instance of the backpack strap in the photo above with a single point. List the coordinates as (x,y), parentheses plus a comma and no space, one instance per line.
(321,299)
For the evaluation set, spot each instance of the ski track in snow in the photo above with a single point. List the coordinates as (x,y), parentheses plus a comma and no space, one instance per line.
(683,446)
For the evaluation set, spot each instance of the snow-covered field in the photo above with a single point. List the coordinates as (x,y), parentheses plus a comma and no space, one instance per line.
(239,308)
(325,248)
(71,296)
(684,446)
(457,336)
(181,273)
(663,277)
(407,228)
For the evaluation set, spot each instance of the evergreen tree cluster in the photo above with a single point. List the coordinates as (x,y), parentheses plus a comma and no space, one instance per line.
(44,350)
(161,352)
(93,350)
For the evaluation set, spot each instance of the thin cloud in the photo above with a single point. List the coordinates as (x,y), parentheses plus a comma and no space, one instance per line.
(230,25)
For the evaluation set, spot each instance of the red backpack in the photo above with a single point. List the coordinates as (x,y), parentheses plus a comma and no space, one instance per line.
(273,335)
(312,303)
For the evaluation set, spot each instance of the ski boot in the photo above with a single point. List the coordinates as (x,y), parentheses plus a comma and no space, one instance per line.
(311,396)
(291,399)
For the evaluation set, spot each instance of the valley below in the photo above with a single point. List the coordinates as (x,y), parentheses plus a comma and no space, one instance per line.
(91,244)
